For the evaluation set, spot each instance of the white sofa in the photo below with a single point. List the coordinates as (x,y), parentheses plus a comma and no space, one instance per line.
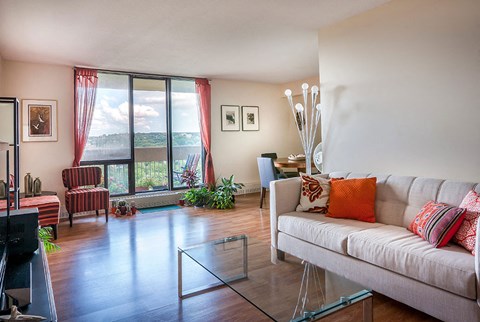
(384,256)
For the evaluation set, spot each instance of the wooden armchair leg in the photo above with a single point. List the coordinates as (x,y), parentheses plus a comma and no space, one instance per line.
(106,214)
(55,231)
(70,218)
(96,211)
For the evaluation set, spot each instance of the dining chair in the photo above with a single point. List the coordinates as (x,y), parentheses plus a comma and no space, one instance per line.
(281,174)
(267,173)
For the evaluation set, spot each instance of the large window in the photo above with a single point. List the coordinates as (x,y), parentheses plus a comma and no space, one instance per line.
(144,133)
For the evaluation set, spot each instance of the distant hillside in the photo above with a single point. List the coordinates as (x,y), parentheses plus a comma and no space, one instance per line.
(146,139)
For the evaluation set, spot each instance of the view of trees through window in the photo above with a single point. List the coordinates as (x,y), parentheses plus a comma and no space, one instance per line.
(132,131)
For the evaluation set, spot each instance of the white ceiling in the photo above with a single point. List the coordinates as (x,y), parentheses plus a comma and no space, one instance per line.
(271,41)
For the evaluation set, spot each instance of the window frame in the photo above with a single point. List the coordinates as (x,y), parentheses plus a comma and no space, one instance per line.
(131,161)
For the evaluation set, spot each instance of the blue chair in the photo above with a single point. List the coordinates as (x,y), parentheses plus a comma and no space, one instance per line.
(266,170)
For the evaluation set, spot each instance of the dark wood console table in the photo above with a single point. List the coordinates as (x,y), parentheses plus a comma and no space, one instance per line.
(43,303)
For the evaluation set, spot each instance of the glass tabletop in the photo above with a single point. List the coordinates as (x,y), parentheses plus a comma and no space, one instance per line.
(291,290)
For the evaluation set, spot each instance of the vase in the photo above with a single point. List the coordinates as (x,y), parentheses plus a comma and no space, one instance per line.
(37,187)
(2,189)
(28,182)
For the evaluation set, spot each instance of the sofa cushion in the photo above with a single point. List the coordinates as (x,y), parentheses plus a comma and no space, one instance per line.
(330,233)
(395,248)
(467,233)
(353,199)
(314,195)
(437,223)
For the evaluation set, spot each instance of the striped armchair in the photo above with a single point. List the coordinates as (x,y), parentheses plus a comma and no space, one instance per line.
(82,193)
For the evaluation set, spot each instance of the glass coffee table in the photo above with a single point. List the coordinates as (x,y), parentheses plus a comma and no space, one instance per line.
(291,290)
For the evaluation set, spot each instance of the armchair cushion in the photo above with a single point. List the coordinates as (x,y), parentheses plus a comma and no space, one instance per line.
(86,199)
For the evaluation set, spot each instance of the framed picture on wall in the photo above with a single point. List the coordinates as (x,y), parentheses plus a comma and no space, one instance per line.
(39,120)
(250,118)
(230,117)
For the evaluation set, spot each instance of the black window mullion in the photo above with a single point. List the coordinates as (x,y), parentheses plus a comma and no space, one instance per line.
(131,163)
(168,87)
(105,175)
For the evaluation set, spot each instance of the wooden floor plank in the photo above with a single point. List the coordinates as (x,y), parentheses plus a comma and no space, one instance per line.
(126,270)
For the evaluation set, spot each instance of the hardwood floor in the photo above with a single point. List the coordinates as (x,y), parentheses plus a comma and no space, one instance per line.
(126,270)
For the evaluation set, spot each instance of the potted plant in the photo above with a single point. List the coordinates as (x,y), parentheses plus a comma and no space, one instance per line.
(200,197)
(189,177)
(122,208)
(223,197)
(45,235)
(148,182)
(220,197)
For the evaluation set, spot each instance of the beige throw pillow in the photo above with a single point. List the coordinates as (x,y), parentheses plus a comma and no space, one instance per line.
(314,195)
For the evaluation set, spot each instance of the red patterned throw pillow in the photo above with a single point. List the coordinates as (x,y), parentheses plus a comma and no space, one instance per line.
(314,195)
(437,223)
(467,233)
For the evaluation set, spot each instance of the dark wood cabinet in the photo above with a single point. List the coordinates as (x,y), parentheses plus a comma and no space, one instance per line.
(43,303)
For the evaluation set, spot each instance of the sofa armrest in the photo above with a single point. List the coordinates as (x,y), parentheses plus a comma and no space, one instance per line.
(477,261)
(284,197)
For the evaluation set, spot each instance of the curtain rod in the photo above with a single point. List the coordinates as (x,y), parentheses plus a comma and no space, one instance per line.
(139,74)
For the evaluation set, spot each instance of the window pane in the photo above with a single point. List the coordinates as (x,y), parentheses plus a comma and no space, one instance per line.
(150,123)
(109,137)
(187,144)
(118,178)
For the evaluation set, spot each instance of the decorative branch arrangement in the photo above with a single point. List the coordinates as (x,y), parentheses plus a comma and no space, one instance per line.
(307,129)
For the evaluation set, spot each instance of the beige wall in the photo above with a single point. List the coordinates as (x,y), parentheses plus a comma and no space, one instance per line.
(296,86)
(401,85)
(37,81)
(1,75)
(236,152)
(233,152)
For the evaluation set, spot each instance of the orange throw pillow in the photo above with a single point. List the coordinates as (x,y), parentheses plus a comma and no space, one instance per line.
(353,199)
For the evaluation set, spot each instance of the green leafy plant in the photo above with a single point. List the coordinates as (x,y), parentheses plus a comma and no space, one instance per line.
(229,186)
(148,182)
(223,197)
(216,196)
(198,197)
(45,235)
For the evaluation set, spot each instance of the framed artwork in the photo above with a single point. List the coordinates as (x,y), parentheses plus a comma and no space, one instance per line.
(39,120)
(230,117)
(250,118)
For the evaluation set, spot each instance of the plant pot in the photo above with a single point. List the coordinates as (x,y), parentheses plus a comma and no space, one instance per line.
(181,202)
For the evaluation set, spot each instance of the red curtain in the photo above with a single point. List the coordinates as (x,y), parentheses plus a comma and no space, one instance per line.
(203,90)
(86,81)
